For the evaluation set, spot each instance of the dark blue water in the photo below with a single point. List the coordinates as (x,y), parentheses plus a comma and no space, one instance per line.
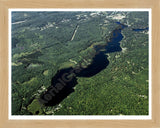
(99,62)
(118,23)
(138,30)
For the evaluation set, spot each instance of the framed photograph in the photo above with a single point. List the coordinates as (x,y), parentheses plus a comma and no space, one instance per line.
(79,64)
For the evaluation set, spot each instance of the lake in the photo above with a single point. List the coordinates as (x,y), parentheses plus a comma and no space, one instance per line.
(64,81)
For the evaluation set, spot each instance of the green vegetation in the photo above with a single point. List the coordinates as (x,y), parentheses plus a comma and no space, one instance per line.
(35,108)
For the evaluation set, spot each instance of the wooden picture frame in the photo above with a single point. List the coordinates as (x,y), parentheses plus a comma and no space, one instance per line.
(4,62)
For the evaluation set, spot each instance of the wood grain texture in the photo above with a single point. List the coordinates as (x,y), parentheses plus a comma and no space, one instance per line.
(6,4)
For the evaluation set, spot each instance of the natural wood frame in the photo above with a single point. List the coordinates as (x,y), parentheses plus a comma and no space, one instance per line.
(6,4)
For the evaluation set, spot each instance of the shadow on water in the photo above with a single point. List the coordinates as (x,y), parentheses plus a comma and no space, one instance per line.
(64,81)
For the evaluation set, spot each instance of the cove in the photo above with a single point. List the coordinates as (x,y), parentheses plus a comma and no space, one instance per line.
(67,78)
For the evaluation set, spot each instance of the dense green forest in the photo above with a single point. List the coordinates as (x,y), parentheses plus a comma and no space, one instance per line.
(46,42)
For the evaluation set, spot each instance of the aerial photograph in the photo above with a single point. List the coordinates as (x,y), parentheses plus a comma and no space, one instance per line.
(80,62)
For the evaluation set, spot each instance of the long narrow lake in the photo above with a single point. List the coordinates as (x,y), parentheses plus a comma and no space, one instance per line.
(61,87)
